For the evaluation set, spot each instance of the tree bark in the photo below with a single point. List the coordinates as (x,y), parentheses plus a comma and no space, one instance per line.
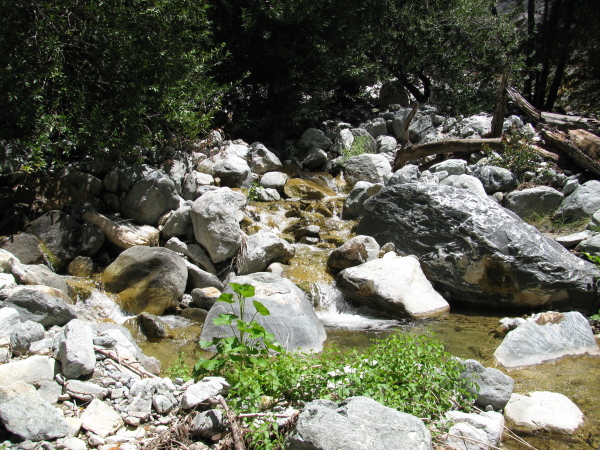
(532,112)
(501,105)
(449,146)
(580,145)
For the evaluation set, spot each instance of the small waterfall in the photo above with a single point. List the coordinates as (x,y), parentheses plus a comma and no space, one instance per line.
(104,307)
(334,311)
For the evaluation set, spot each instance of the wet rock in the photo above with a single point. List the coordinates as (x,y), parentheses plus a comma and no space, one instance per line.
(101,419)
(150,198)
(307,189)
(123,233)
(262,160)
(537,200)
(547,412)
(263,248)
(583,202)
(25,247)
(147,279)
(361,192)
(467,182)
(367,167)
(37,306)
(153,327)
(292,319)
(357,423)
(496,179)
(25,413)
(65,238)
(82,266)
(394,285)
(354,252)
(32,370)
(274,180)
(216,218)
(493,387)
(551,336)
(477,250)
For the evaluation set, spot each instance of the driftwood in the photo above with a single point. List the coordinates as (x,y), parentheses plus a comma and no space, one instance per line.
(580,145)
(447,146)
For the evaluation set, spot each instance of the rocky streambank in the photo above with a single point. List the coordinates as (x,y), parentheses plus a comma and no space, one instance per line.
(169,235)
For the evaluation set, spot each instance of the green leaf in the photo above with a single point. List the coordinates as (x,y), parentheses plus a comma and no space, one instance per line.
(224,319)
(227,298)
(205,344)
(260,308)
(245,290)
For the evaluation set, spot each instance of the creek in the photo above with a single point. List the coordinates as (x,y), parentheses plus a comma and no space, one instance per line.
(466,333)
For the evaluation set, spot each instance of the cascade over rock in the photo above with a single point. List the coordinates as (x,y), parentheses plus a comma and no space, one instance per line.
(477,251)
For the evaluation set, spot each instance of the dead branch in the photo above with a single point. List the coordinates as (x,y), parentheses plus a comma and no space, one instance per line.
(580,145)
(137,370)
(236,430)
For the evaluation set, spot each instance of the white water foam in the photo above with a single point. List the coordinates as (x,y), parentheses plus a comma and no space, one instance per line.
(334,311)
(104,307)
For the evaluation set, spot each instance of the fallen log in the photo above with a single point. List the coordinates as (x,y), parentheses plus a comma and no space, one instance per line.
(580,145)
(447,146)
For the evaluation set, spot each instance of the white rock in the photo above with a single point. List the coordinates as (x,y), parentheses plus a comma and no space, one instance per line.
(543,411)
(101,419)
(31,370)
(203,390)
(71,443)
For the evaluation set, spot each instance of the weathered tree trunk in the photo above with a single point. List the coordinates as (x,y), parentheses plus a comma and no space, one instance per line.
(449,146)
(580,145)
(404,131)
(532,112)
(501,105)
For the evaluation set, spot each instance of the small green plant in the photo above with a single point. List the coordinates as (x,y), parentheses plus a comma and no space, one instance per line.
(253,192)
(180,368)
(249,343)
(548,223)
(517,154)
(359,146)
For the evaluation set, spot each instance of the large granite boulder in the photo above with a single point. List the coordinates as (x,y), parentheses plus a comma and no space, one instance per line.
(361,191)
(467,182)
(393,285)
(583,202)
(274,180)
(262,160)
(64,238)
(496,179)
(536,200)
(550,336)
(476,250)
(492,387)
(314,137)
(292,319)
(40,275)
(150,198)
(262,249)
(34,305)
(367,167)
(25,247)
(216,218)
(358,423)
(233,172)
(151,279)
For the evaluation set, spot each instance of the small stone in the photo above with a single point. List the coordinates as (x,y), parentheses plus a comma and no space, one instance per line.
(74,424)
(71,443)
(133,421)
(95,440)
(101,418)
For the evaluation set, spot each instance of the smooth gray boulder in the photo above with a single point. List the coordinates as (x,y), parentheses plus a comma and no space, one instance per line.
(178,222)
(194,184)
(493,387)
(583,202)
(193,252)
(386,144)
(495,179)
(314,137)
(32,370)
(546,412)
(267,195)
(23,334)
(25,413)
(199,279)
(314,158)
(39,274)
(203,390)
(357,250)
(476,250)
(292,319)
(216,217)
(467,182)
(549,337)
(233,172)
(367,167)
(151,279)
(64,237)
(262,249)
(452,166)
(76,350)
(537,200)
(150,198)
(262,160)
(274,180)
(393,285)
(25,247)
(358,423)
(591,245)
(361,191)
(37,306)
(410,173)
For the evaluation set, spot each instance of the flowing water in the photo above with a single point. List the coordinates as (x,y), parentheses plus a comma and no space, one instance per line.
(466,333)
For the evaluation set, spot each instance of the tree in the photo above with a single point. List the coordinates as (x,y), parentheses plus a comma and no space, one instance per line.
(81,77)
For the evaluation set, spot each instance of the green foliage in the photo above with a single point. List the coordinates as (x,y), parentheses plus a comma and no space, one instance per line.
(250,343)
(548,223)
(593,258)
(79,78)
(180,368)
(517,154)
(253,192)
(359,146)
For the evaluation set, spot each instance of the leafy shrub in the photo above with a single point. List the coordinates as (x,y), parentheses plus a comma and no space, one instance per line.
(359,146)
(517,154)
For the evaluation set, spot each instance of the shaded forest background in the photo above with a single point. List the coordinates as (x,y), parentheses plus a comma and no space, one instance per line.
(91,77)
